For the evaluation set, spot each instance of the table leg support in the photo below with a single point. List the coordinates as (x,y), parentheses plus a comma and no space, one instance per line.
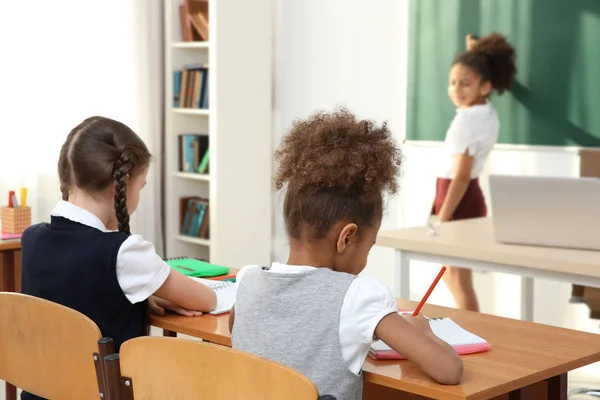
(8,271)
(169,333)
(401,275)
(11,392)
(527,299)
(8,277)
(557,387)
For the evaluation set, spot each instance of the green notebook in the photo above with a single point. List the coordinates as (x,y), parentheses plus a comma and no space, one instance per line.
(197,268)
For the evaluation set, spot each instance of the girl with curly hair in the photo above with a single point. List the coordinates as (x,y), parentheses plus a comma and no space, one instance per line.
(314,313)
(487,65)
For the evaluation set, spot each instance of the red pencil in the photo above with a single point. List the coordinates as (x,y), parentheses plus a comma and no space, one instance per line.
(424,299)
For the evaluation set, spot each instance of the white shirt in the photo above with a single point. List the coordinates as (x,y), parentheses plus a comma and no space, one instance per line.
(476,129)
(140,271)
(366,302)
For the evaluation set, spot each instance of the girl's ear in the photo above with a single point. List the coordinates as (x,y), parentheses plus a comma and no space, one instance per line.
(346,236)
(486,89)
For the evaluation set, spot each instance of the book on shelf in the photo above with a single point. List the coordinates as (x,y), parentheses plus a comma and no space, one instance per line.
(193,18)
(190,86)
(193,153)
(194,217)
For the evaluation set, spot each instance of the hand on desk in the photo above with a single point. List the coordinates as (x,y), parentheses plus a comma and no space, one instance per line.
(158,306)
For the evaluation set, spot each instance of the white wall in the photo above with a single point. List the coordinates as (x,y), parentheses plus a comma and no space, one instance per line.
(343,52)
(337,53)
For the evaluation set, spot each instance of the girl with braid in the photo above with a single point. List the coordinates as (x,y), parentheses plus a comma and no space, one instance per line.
(487,65)
(86,258)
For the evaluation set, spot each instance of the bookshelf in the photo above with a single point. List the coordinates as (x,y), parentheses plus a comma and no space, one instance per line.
(237,122)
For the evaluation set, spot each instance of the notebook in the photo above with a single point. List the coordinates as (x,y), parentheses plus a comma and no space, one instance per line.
(226,293)
(197,268)
(5,236)
(463,341)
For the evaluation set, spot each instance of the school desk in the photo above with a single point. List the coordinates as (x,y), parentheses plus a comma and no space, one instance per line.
(471,244)
(526,359)
(10,257)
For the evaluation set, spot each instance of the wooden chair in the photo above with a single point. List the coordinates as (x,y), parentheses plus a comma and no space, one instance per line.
(171,368)
(50,350)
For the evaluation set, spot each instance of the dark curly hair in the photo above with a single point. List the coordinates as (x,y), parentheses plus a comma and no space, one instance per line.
(100,151)
(335,168)
(494,59)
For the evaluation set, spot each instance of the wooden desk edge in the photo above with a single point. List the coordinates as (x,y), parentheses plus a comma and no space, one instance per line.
(163,323)
(10,244)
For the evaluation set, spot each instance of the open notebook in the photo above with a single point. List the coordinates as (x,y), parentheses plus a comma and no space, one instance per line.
(226,293)
(463,341)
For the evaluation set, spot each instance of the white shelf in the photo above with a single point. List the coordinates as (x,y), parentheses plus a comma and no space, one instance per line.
(190,45)
(191,111)
(195,177)
(239,129)
(191,239)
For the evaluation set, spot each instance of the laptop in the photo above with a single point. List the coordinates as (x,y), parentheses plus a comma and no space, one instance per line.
(546,211)
(226,294)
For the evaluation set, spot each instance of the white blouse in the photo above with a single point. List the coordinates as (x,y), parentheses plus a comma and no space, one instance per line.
(475,129)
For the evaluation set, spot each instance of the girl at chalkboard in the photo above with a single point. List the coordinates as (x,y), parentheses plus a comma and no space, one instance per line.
(488,65)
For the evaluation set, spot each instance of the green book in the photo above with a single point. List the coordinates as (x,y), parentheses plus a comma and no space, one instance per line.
(197,268)
(203,166)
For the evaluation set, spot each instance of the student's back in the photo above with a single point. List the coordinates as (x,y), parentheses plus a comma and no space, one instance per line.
(74,264)
(86,258)
(299,325)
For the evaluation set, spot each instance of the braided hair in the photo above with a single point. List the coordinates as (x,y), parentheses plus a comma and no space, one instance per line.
(97,153)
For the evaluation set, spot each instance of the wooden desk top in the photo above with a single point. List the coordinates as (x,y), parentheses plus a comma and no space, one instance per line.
(522,353)
(10,244)
(473,239)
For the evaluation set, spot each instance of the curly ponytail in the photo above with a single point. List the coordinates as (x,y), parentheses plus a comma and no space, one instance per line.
(494,59)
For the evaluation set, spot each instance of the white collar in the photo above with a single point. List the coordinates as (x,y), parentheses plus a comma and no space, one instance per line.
(77,214)
(476,107)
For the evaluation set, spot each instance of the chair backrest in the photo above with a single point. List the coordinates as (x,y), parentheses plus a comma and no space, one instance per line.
(47,349)
(171,368)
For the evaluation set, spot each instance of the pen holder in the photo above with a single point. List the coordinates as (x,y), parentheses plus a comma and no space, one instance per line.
(15,220)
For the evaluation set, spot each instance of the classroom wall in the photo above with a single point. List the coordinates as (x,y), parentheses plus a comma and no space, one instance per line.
(340,52)
(337,53)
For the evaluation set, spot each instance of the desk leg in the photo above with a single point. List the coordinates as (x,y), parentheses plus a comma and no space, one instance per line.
(557,387)
(8,270)
(8,277)
(169,333)
(527,299)
(401,275)
(11,392)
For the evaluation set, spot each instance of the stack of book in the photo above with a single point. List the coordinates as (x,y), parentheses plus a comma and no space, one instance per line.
(190,86)
(194,217)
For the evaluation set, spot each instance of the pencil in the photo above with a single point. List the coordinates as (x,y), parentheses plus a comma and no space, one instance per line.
(424,299)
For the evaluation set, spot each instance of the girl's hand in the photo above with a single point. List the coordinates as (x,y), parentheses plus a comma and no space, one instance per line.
(159,306)
(471,41)
(420,322)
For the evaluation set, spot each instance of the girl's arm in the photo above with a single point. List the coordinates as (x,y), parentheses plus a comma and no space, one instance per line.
(184,292)
(458,186)
(413,338)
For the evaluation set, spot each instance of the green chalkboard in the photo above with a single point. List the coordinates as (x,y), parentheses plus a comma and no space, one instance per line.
(556,98)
